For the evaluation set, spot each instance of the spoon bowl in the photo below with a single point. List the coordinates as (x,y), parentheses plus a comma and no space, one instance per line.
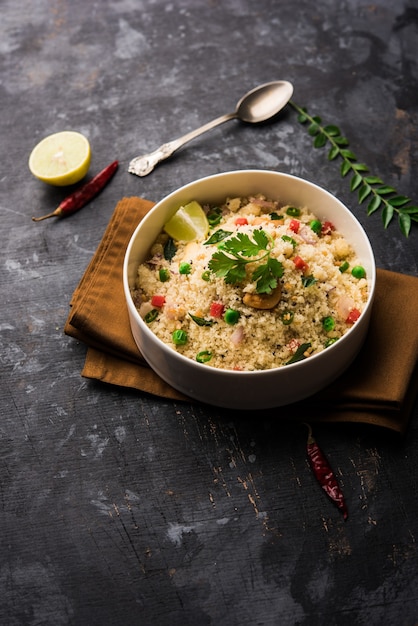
(264,102)
(258,105)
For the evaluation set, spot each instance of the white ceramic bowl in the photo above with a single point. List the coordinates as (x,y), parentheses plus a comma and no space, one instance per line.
(241,389)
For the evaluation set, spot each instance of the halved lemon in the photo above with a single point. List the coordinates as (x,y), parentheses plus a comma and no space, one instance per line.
(61,159)
(188,223)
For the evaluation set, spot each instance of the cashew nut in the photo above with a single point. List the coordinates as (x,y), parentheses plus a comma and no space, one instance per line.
(263,300)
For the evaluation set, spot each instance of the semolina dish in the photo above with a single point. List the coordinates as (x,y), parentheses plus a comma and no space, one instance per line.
(263,286)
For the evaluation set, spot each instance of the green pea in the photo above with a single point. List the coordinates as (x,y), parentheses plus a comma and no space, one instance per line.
(179,337)
(316,226)
(151,316)
(328,323)
(358,271)
(164,275)
(185,268)
(204,356)
(231,316)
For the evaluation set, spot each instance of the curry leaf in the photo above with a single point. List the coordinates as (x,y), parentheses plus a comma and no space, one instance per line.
(320,140)
(364,191)
(374,205)
(345,168)
(201,321)
(404,223)
(409,209)
(398,201)
(379,195)
(347,154)
(217,236)
(299,354)
(356,181)
(333,153)
(332,131)
(387,215)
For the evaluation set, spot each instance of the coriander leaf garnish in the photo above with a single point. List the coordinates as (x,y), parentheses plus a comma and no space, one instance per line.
(241,244)
(232,269)
(266,275)
(234,254)
(370,188)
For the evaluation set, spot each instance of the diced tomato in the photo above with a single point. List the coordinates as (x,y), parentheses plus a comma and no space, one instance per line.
(241,221)
(216,309)
(294,225)
(352,316)
(158,301)
(300,264)
(327,228)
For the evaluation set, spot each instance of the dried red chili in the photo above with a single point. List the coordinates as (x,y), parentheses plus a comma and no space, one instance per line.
(80,197)
(324,473)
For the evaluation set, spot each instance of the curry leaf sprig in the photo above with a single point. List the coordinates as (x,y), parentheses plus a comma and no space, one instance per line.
(368,187)
(235,253)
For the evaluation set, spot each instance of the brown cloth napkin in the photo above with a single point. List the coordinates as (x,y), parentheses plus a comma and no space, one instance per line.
(379,388)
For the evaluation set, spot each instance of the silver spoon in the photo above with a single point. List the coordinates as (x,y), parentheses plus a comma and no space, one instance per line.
(257,105)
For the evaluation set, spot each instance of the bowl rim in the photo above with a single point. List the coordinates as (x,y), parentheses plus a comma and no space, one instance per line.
(242,373)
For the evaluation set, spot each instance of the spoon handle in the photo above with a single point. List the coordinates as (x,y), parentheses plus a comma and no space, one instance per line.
(143,165)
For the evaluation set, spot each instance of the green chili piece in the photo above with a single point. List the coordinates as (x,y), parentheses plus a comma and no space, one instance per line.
(179,337)
(358,271)
(275,216)
(164,275)
(344,267)
(293,211)
(287,317)
(231,316)
(329,342)
(328,323)
(206,276)
(204,356)
(151,316)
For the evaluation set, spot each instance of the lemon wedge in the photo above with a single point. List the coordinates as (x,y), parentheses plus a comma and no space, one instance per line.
(188,223)
(61,159)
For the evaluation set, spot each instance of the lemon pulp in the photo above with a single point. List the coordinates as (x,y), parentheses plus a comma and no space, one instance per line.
(61,159)
(188,223)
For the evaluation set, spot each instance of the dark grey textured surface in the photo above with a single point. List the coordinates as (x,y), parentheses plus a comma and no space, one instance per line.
(119,508)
